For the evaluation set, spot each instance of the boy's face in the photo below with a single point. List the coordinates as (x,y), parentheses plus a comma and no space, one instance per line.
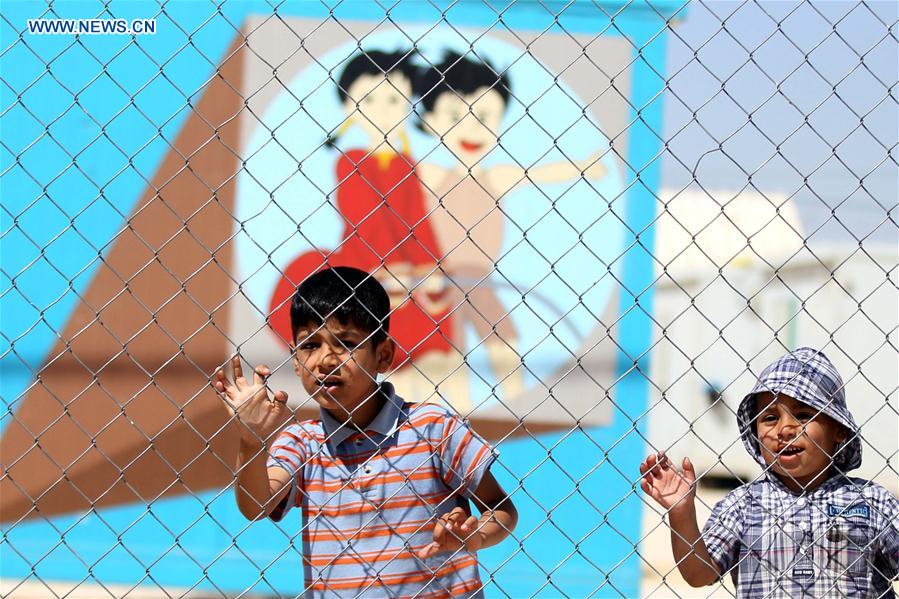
(383,104)
(338,365)
(467,124)
(796,441)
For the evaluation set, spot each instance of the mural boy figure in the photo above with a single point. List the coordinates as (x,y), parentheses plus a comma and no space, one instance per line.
(463,103)
(805,529)
(383,484)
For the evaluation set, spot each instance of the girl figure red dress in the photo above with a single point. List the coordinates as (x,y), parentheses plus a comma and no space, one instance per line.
(380,201)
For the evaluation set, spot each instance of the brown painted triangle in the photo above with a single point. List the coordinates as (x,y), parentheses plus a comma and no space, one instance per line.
(111,396)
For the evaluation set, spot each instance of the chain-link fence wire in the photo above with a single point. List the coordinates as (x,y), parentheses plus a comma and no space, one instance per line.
(119,408)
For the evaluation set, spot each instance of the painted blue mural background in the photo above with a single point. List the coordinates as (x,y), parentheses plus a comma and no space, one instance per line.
(571,226)
(109,107)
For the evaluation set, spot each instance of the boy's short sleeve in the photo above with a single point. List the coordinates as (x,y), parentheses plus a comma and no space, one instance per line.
(464,457)
(887,542)
(723,530)
(288,452)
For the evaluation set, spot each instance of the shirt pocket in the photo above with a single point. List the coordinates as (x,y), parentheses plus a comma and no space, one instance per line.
(777,548)
(847,548)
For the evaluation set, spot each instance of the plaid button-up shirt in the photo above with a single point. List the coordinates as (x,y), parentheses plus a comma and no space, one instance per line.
(840,540)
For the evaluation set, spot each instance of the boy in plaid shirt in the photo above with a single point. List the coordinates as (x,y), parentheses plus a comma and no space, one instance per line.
(805,529)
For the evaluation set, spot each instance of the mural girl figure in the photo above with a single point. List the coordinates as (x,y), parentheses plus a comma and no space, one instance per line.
(463,102)
(380,201)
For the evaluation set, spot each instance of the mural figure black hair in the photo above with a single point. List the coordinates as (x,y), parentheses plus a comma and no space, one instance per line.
(459,75)
(372,62)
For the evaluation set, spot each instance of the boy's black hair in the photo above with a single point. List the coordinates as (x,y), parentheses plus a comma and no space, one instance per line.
(460,75)
(348,294)
(375,62)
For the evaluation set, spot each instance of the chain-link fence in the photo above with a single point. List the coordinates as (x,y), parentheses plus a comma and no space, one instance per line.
(596,223)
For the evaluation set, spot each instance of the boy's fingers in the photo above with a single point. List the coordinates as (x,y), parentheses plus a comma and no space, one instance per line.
(469,525)
(260,373)
(447,525)
(239,380)
(259,397)
(458,519)
(655,467)
(223,396)
(689,471)
(221,378)
(663,460)
(220,383)
(280,396)
(440,531)
(428,550)
(457,515)
(454,517)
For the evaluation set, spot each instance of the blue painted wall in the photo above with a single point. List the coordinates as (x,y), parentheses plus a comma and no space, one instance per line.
(108,107)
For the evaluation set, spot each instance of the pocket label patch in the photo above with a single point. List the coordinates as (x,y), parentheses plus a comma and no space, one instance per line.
(859,510)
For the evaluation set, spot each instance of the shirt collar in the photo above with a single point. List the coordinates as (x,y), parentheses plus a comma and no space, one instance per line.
(384,422)
(835,480)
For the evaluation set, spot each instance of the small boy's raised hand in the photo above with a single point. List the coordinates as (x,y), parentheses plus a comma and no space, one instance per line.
(258,414)
(453,530)
(669,487)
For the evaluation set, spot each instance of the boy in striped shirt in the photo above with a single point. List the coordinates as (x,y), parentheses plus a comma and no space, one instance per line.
(383,484)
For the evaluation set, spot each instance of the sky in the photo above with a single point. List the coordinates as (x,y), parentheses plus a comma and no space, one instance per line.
(791,97)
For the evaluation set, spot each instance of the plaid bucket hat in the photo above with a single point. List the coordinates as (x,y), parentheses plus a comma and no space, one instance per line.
(807,375)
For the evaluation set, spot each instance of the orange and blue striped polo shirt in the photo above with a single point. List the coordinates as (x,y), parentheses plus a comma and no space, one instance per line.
(370,500)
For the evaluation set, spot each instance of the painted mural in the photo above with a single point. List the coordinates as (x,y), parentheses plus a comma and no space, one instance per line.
(423,176)
(480,172)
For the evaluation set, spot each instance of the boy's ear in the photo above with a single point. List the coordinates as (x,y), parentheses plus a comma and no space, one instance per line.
(842,433)
(385,351)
